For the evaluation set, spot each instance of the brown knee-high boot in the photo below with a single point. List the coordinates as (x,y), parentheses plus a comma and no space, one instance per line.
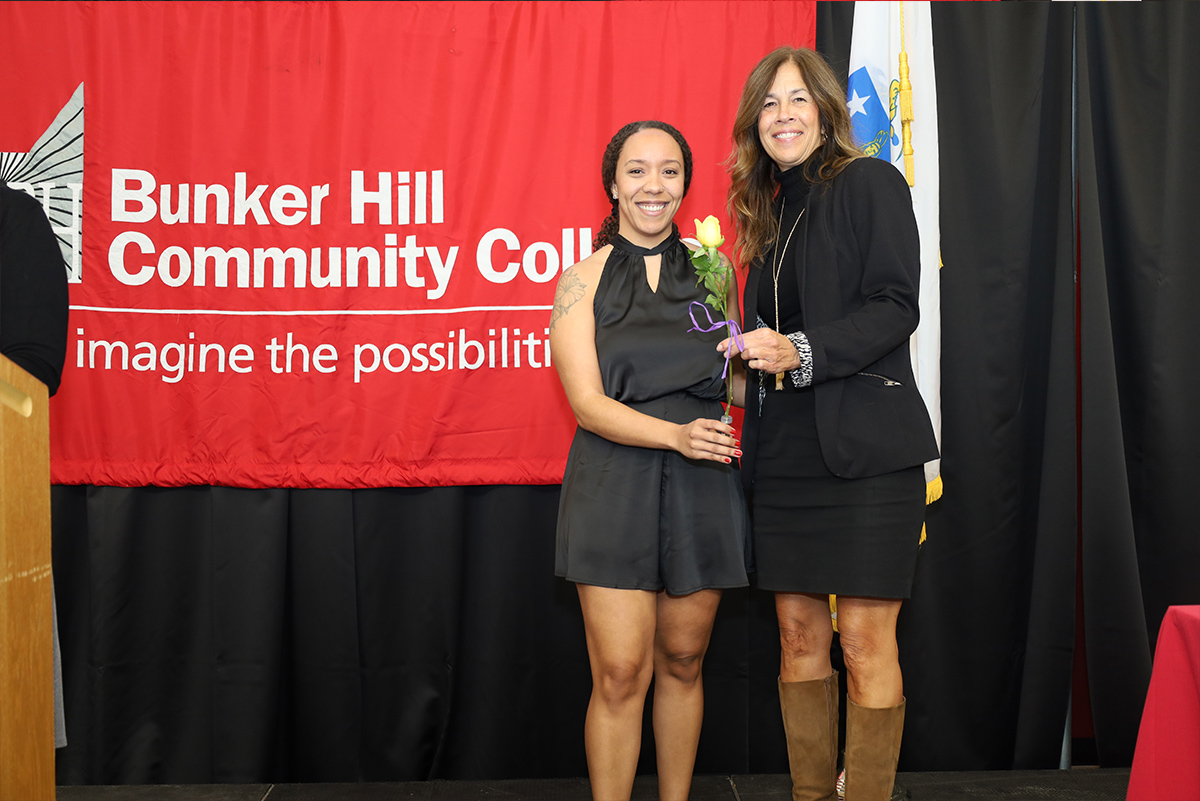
(810,721)
(872,750)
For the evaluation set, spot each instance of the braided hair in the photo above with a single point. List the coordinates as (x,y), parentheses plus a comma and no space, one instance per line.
(608,172)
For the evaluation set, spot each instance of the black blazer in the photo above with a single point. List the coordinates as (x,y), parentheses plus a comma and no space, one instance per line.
(858,270)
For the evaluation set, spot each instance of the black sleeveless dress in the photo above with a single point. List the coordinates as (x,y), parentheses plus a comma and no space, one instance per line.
(644,518)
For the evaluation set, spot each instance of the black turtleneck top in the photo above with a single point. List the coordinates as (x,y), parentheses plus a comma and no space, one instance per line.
(793,194)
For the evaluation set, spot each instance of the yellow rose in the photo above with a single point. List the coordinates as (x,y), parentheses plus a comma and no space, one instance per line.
(709,232)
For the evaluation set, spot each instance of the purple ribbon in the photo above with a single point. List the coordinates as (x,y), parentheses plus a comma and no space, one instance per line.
(734,331)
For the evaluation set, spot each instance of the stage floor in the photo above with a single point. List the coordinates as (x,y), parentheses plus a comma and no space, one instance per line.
(1079,784)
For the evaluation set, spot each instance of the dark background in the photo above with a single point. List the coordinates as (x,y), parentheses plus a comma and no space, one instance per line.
(224,635)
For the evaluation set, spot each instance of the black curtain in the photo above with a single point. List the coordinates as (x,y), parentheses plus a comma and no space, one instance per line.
(987,638)
(222,635)
(1139,285)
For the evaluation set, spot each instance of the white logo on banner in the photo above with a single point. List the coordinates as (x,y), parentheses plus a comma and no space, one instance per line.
(52,172)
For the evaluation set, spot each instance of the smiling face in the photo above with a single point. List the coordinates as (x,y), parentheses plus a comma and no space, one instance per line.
(649,185)
(789,124)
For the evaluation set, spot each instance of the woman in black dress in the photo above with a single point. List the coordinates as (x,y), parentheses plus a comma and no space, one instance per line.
(652,524)
(836,431)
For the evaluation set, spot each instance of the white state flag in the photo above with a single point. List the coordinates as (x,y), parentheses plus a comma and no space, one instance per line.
(873,95)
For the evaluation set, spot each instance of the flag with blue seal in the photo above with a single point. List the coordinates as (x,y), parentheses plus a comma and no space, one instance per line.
(873,130)
(885,35)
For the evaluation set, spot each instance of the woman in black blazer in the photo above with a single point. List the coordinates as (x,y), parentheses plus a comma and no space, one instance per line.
(836,432)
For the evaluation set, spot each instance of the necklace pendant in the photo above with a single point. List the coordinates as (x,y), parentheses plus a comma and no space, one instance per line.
(779,381)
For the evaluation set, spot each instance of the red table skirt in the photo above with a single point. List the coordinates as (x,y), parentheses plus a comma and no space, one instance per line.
(1166,761)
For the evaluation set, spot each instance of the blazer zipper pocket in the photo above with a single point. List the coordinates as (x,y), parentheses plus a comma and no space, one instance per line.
(887,382)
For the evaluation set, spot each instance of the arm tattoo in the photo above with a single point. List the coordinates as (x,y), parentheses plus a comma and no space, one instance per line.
(570,291)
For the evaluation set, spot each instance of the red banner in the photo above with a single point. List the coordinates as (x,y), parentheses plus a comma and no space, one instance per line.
(316,244)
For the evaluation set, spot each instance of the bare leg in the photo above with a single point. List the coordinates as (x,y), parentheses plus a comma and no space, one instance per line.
(805,635)
(875,689)
(867,629)
(620,637)
(808,694)
(684,625)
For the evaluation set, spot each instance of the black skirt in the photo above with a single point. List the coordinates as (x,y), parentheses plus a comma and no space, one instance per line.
(817,533)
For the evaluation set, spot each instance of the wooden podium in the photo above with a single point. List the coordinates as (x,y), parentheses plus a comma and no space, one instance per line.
(26,647)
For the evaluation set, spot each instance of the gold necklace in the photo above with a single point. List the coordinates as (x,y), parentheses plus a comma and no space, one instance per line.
(777,265)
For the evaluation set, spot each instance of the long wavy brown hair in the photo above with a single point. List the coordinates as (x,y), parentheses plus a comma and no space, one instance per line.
(752,186)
